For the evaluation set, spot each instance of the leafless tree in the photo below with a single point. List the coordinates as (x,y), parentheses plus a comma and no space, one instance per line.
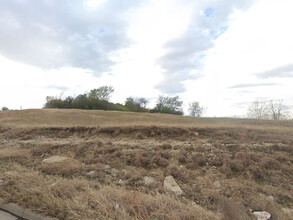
(273,109)
(278,110)
(259,110)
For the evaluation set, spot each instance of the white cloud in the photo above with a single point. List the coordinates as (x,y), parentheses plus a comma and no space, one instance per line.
(255,42)
(204,51)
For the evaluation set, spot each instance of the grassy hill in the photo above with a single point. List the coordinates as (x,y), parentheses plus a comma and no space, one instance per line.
(94,118)
(226,168)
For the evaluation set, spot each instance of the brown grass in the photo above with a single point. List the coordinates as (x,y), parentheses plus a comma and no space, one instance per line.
(229,169)
(78,198)
(14,154)
(93,118)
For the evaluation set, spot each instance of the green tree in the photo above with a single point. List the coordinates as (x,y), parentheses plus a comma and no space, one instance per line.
(169,105)
(4,109)
(102,93)
(136,104)
(195,109)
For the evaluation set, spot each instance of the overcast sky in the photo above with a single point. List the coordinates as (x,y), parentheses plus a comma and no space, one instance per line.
(223,53)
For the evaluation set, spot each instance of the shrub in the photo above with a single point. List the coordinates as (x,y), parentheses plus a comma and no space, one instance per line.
(4,109)
(197,160)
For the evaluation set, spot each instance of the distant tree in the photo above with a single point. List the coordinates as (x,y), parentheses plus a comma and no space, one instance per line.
(142,102)
(195,109)
(278,110)
(54,102)
(169,105)
(136,104)
(102,93)
(4,109)
(273,109)
(258,110)
(81,102)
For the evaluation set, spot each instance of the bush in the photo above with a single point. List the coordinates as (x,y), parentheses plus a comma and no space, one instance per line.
(4,109)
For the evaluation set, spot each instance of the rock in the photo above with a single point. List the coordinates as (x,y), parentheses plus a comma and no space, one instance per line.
(61,165)
(288,212)
(262,215)
(91,173)
(1,182)
(148,180)
(54,159)
(171,185)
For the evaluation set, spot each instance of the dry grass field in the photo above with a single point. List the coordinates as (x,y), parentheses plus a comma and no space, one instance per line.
(226,168)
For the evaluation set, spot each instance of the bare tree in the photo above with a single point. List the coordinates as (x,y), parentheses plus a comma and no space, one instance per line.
(195,109)
(273,109)
(278,110)
(259,110)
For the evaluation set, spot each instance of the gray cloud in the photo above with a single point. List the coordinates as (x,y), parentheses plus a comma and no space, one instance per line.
(246,85)
(279,72)
(54,33)
(185,53)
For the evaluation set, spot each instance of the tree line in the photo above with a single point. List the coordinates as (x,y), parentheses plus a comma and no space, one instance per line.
(100,99)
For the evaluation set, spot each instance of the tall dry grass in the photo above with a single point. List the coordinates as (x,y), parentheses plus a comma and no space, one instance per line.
(78,198)
(99,118)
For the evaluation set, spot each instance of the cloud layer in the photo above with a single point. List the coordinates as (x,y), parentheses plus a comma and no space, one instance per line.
(184,54)
(279,72)
(52,34)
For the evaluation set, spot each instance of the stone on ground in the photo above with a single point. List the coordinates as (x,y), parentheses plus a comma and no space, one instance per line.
(61,165)
(262,215)
(148,180)
(171,185)
(55,159)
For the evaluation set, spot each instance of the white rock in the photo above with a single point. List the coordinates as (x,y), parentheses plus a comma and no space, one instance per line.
(148,180)
(171,185)
(1,182)
(262,215)
(91,173)
(55,159)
